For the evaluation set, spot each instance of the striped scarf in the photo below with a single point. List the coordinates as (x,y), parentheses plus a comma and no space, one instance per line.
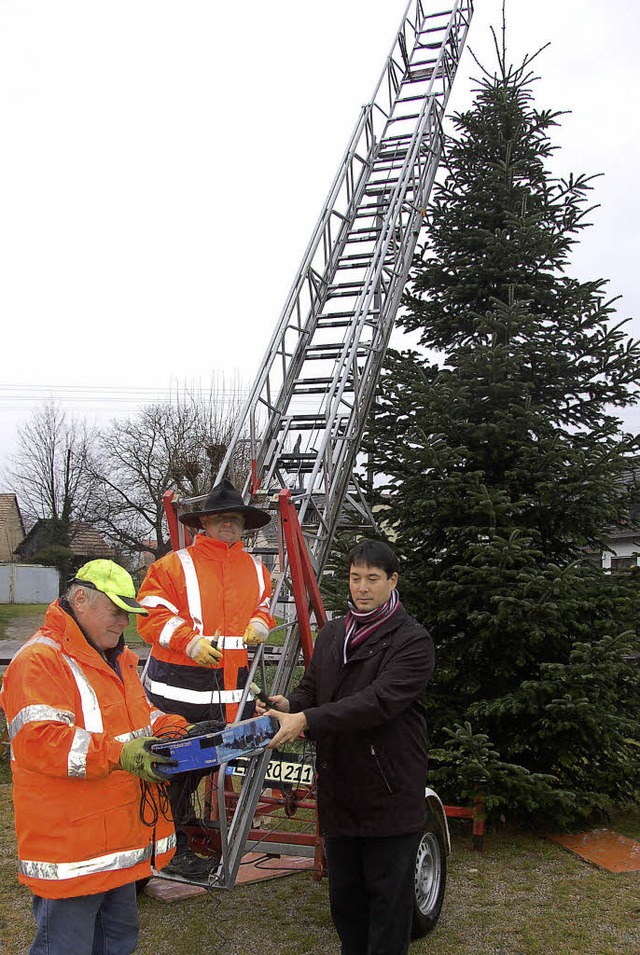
(359,626)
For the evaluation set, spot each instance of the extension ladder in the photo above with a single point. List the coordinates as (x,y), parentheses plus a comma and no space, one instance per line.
(305,415)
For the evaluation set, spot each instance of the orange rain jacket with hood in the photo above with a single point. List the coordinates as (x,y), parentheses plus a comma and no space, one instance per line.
(77,814)
(205,589)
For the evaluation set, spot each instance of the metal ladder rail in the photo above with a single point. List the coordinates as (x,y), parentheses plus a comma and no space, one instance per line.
(262,396)
(304,354)
(309,285)
(403,201)
(340,370)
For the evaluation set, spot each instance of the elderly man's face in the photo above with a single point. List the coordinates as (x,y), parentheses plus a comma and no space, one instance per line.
(100,619)
(226,527)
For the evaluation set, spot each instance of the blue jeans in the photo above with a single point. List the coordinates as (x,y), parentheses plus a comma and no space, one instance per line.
(102,924)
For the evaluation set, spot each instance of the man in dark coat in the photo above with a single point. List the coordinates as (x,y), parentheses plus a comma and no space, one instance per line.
(361,701)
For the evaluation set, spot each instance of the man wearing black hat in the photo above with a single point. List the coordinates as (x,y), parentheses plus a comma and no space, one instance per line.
(206,603)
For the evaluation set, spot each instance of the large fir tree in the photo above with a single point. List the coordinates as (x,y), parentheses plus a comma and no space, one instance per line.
(505,464)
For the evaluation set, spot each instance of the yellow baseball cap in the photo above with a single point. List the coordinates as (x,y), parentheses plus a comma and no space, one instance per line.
(113,580)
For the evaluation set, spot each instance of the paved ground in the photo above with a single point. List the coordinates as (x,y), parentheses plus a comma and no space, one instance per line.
(23,627)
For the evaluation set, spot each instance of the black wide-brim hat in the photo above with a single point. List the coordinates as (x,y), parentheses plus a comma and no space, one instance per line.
(224,498)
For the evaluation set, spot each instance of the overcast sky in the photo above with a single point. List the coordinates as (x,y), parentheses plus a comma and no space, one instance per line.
(163,165)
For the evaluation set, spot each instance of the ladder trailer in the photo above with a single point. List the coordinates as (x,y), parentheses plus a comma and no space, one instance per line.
(306,412)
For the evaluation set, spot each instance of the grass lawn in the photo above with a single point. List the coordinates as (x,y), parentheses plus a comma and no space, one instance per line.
(522,896)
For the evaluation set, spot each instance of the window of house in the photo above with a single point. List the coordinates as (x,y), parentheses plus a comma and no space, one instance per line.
(622,565)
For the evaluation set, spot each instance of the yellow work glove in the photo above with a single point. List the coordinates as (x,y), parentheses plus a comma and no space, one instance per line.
(202,650)
(256,632)
(136,757)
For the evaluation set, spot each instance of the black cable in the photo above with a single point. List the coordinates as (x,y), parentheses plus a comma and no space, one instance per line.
(154,797)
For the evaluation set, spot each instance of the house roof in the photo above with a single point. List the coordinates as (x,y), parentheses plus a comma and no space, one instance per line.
(85,539)
(9,502)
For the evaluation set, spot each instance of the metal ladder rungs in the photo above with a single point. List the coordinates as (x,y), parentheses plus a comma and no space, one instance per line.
(297,456)
(323,380)
(394,140)
(378,189)
(402,119)
(418,76)
(411,99)
(350,265)
(370,207)
(304,423)
(390,150)
(345,313)
(354,239)
(358,259)
(316,352)
(368,212)
(391,159)
(367,229)
(344,286)
(344,293)
(300,389)
(388,153)
(362,235)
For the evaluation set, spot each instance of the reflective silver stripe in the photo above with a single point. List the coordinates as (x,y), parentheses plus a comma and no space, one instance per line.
(90,706)
(73,870)
(194,601)
(135,734)
(77,757)
(92,717)
(164,845)
(168,631)
(193,696)
(264,602)
(259,567)
(230,643)
(158,601)
(265,605)
(156,714)
(91,714)
(45,641)
(37,713)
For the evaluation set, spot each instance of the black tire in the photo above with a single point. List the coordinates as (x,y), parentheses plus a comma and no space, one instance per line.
(430,879)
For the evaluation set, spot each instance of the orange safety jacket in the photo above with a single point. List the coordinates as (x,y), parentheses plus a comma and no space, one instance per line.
(201,590)
(77,814)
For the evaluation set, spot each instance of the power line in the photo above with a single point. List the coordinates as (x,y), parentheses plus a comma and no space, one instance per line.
(112,394)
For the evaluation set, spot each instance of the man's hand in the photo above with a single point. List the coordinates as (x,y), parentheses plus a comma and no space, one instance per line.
(292,725)
(256,632)
(277,702)
(201,650)
(136,758)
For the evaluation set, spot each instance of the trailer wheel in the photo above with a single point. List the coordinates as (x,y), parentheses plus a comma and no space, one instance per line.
(430,879)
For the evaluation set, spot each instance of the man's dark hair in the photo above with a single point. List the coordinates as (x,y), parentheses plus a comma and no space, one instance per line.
(374,554)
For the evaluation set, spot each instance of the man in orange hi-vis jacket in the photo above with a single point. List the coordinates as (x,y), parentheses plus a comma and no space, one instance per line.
(206,603)
(80,727)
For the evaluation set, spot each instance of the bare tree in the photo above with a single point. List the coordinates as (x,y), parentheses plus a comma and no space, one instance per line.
(175,445)
(50,470)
